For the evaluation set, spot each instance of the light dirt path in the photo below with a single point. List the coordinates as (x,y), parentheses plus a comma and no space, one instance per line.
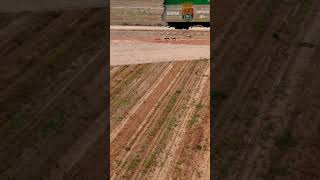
(138,52)
(150,44)
(155,28)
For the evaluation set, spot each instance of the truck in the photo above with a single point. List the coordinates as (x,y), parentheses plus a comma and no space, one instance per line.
(183,14)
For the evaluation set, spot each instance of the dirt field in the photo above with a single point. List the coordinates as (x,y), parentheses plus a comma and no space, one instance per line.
(149,44)
(136,12)
(52,82)
(160,121)
(45,5)
(266,90)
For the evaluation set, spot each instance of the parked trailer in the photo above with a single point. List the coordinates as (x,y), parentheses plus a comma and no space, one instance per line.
(182,14)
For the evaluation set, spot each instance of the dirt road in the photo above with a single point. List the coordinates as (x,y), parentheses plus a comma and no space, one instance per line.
(150,44)
(266,94)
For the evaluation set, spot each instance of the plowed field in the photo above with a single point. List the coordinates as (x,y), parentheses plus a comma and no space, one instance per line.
(266,90)
(160,121)
(52,82)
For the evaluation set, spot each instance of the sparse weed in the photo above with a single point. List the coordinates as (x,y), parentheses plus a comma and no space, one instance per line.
(151,161)
(276,36)
(192,121)
(172,101)
(171,123)
(199,147)
(261,24)
(195,117)
(124,101)
(134,163)
(199,106)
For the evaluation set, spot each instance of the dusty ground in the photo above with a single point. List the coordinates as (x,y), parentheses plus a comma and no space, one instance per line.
(136,12)
(266,90)
(160,121)
(52,82)
(159,111)
(45,5)
(138,44)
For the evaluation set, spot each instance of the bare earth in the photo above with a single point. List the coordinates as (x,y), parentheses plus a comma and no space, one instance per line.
(265,98)
(160,82)
(52,115)
(45,5)
(160,122)
(136,12)
(149,44)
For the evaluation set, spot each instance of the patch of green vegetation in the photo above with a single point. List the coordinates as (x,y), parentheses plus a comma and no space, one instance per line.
(53,126)
(199,106)
(276,36)
(261,24)
(172,121)
(172,101)
(134,163)
(192,121)
(124,101)
(196,116)
(306,5)
(149,162)
(133,76)
(285,141)
(199,147)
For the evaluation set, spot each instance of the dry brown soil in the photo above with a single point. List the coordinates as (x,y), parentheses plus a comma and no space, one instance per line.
(52,85)
(150,44)
(136,12)
(265,97)
(159,111)
(49,5)
(160,121)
